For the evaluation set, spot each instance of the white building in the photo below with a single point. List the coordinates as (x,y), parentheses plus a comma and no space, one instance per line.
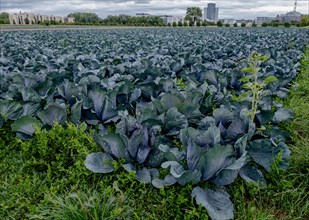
(261,20)
(289,17)
(26,18)
(170,19)
(229,21)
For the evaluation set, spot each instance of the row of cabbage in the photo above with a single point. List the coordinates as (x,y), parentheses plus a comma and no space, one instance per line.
(160,99)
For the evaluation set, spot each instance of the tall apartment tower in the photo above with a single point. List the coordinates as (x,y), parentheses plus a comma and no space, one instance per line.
(211,13)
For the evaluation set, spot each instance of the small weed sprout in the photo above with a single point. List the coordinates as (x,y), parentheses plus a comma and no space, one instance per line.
(255,88)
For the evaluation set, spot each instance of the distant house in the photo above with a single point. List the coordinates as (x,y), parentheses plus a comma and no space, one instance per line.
(229,21)
(22,18)
(261,20)
(170,19)
(289,17)
(25,18)
(143,15)
(68,20)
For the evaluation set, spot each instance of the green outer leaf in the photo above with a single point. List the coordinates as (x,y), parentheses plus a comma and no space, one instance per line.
(252,175)
(76,112)
(99,163)
(10,109)
(215,159)
(143,175)
(263,153)
(217,203)
(25,125)
(283,115)
(54,112)
(113,144)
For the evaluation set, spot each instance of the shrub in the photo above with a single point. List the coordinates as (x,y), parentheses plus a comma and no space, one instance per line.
(275,24)
(227,25)
(243,25)
(287,24)
(219,24)
(264,24)
(174,24)
(235,25)
(180,24)
(198,24)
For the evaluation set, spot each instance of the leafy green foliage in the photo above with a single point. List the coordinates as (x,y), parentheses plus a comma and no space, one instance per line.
(141,99)
(255,88)
(193,14)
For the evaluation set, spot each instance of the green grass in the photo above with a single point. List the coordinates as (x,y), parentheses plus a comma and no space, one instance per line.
(45,178)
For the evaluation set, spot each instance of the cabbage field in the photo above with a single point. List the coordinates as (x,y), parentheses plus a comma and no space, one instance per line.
(174,106)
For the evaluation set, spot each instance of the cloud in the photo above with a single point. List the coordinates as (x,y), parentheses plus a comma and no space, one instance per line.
(227,8)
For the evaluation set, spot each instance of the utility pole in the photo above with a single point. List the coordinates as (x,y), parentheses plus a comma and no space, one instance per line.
(295,5)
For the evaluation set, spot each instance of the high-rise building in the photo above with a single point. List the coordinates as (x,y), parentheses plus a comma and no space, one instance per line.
(211,13)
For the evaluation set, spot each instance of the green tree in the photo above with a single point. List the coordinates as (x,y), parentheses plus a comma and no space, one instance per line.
(219,24)
(205,24)
(227,25)
(254,24)
(185,24)
(4,18)
(198,24)
(235,25)
(275,24)
(287,24)
(304,21)
(85,17)
(264,24)
(174,24)
(180,24)
(194,14)
(243,25)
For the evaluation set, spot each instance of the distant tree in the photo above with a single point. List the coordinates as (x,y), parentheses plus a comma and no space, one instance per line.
(180,24)
(275,24)
(235,25)
(219,24)
(194,14)
(198,24)
(169,25)
(264,24)
(304,21)
(4,18)
(254,24)
(85,17)
(185,24)
(191,23)
(174,24)
(205,24)
(27,21)
(287,24)
(243,25)
(227,25)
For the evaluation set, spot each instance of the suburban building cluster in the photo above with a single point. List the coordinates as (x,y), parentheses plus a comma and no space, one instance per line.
(211,14)
(30,18)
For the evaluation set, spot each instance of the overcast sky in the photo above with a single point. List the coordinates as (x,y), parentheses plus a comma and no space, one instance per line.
(227,8)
